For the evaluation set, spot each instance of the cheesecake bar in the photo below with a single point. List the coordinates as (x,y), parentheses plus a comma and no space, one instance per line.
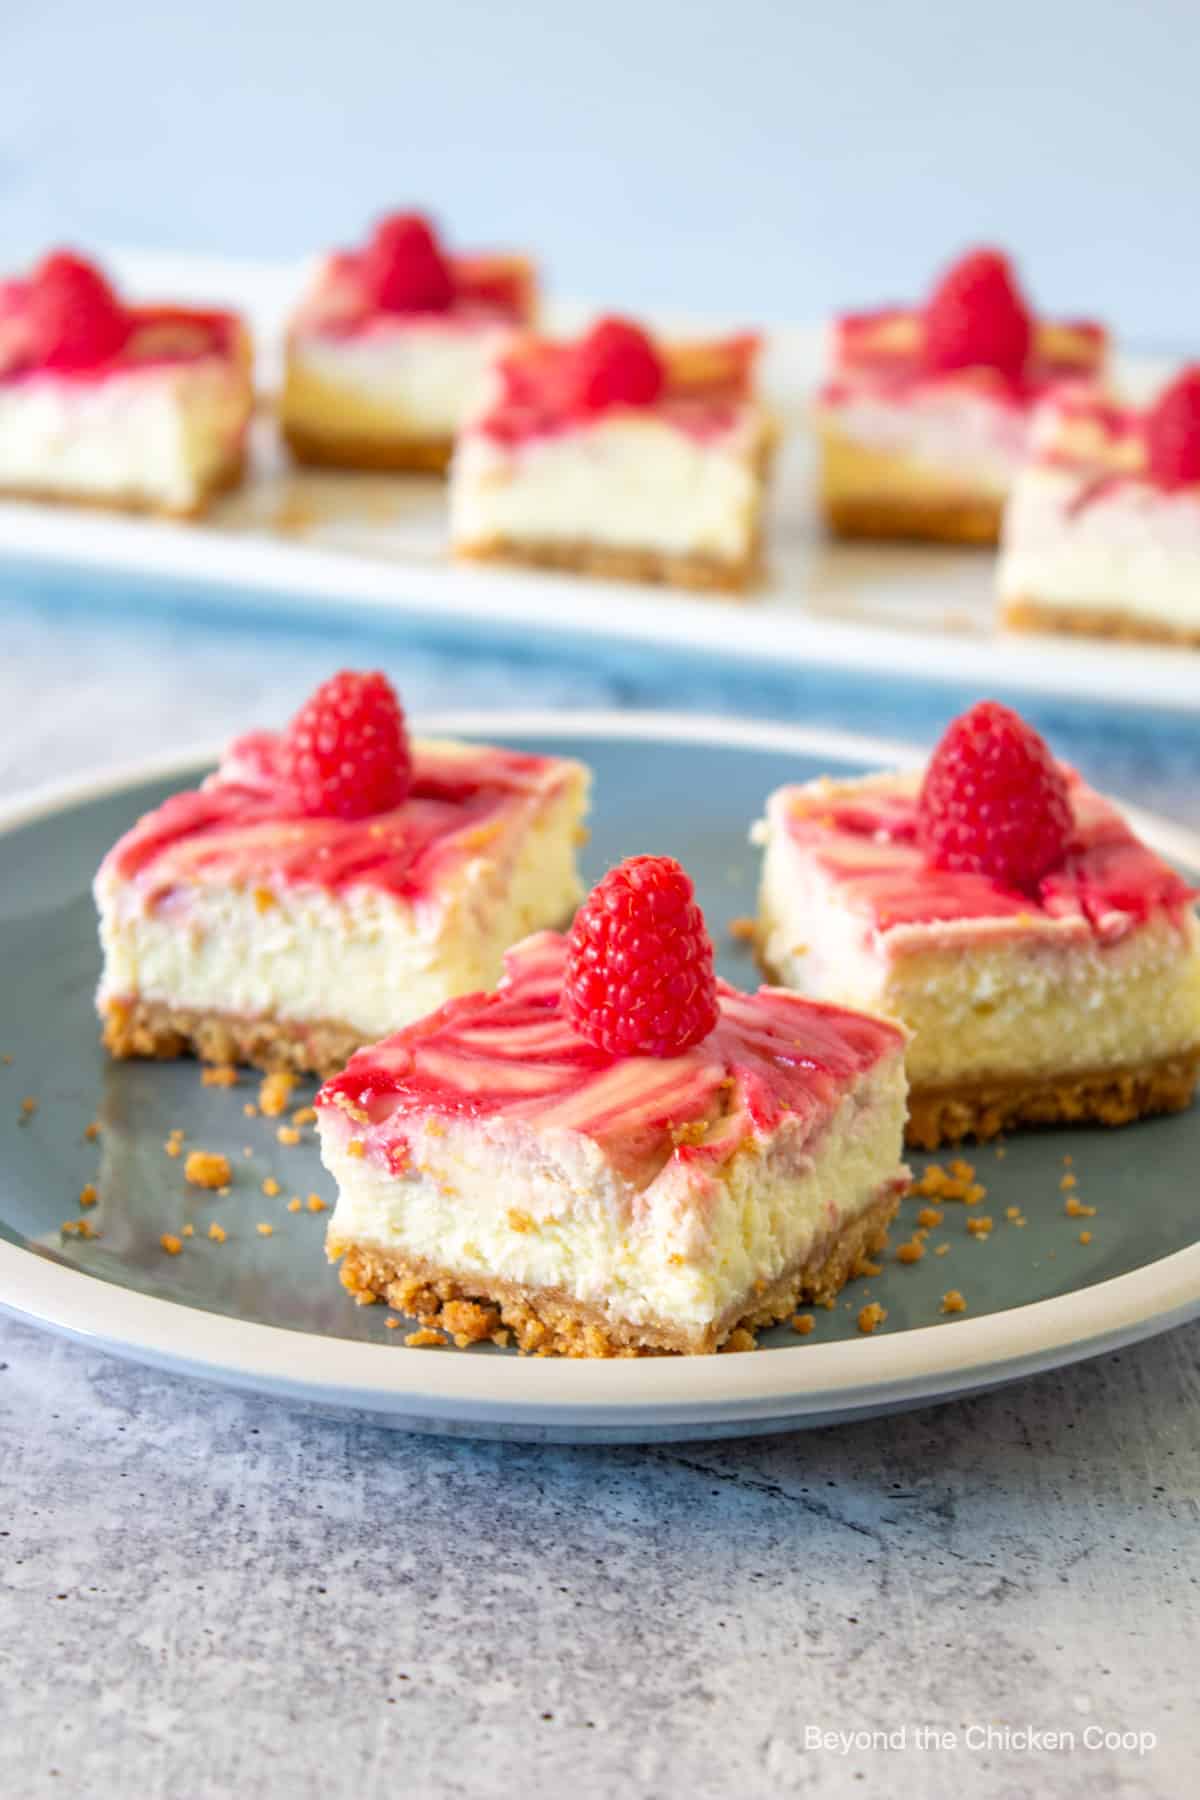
(390,348)
(616,455)
(255,919)
(1102,534)
(1068,996)
(924,416)
(496,1170)
(141,408)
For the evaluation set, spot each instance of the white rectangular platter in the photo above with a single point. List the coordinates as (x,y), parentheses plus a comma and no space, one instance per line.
(300,541)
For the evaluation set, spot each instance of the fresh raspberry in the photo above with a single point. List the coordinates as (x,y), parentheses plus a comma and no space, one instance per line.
(994,801)
(403,267)
(75,320)
(345,755)
(616,364)
(1172,431)
(977,317)
(639,977)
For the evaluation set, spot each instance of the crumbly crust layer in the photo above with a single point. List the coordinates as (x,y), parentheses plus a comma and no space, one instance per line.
(551,1322)
(1026,613)
(349,450)
(152,1028)
(229,476)
(702,572)
(983,1109)
(953,520)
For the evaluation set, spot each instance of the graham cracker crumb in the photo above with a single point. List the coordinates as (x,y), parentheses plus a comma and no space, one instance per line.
(1085,1237)
(170,1243)
(294,1203)
(315,1203)
(739,1341)
(911,1252)
(803,1323)
(425,1339)
(217,1233)
(1068,1181)
(270,1187)
(980,1227)
(519,1221)
(263,1229)
(87,1194)
(288,1134)
(929,1216)
(92,1132)
(871,1317)
(953,1302)
(275,1092)
(304,1115)
(207,1169)
(743,930)
(956,1183)
(469,1321)
(28,1106)
(942,1250)
(391,1324)
(1068,1160)
(250,1110)
(173,1147)
(189,1230)
(356,1147)
(219,1075)
(1075,1209)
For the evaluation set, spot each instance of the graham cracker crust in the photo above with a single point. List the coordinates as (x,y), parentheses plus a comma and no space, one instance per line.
(551,1322)
(229,476)
(152,1028)
(983,1109)
(1027,614)
(382,455)
(913,519)
(701,572)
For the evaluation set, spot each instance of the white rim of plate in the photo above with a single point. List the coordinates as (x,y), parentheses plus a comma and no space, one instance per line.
(802,1381)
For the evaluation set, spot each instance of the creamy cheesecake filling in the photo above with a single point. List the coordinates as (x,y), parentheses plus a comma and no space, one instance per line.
(359,955)
(417,378)
(547,1209)
(623,481)
(160,435)
(922,443)
(1132,549)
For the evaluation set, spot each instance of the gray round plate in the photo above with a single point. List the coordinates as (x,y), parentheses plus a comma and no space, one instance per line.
(267,1314)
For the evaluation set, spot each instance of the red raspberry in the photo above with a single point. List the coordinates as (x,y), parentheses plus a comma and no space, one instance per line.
(1172,431)
(74,319)
(639,978)
(403,267)
(345,755)
(616,364)
(977,317)
(994,801)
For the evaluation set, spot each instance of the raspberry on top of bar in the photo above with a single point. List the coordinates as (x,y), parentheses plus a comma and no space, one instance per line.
(405,272)
(66,319)
(546,387)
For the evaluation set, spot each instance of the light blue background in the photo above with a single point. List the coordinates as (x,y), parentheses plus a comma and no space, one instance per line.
(762,159)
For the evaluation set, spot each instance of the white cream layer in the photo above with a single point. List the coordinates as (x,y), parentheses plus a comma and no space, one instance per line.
(156,436)
(361,956)
(548,1209)
(1132,550)
(1035,1003)
(415,378)
(947,432)
(625,481)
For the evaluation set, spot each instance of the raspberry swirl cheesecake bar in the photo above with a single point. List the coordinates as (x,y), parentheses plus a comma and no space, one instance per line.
(1046,961)
(924,418)
(389,349)
(614,1152)
(615,455)
(1102,534)
(141,408)
(329,884)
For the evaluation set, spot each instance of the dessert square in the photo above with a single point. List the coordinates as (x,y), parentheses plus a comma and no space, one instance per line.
(390,348)
(242,926)
(1102,533)
(924,415)
(497,1172)
(615,455)
(141,408)
(1074,998)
